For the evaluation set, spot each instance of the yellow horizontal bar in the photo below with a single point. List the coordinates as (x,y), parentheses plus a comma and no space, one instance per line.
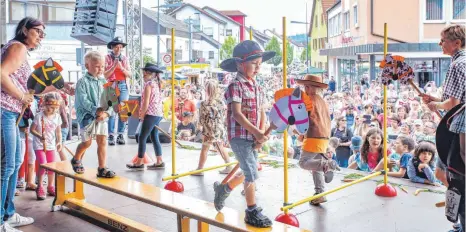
(205,169)
(114,220)
(330,191)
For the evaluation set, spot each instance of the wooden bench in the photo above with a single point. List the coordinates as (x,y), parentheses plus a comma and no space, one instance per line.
(185,207)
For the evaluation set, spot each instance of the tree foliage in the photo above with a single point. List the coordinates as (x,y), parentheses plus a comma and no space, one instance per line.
(273,45)
(303,54)
(290,53)
(226,51)
(170,9)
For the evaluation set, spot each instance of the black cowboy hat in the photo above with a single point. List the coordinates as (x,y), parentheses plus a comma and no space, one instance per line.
(152,68)
(115,41)
(245,51)
(447,141)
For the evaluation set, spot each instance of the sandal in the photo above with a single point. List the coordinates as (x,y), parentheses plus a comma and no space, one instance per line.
(77,166)
(31,186)
(105,173)
(51,191)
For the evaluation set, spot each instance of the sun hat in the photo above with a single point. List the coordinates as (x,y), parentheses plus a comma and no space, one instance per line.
(245,51)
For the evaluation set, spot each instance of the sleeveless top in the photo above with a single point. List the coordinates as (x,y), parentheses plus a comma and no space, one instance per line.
(19,79)
(155,99)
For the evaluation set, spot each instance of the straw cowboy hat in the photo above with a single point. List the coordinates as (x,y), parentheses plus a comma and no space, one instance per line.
(312,80)
(152,68)
(115,41)
(245,51)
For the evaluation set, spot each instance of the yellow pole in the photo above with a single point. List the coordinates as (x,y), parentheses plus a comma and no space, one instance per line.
(285,208)
(205,169)
(385,163)
(250,33)
(173,105)
(285,133)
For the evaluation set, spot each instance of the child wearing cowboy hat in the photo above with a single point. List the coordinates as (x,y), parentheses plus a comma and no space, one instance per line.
(245,126)
(317,138)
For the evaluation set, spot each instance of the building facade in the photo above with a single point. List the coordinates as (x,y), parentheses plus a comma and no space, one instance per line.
(318,32)
(240,18)
(355,36)
(232,28)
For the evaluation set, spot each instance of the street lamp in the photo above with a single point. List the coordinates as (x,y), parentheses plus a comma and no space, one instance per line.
(307,37)
(158,24)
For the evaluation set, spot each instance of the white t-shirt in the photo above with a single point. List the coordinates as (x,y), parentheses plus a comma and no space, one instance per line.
(51,125)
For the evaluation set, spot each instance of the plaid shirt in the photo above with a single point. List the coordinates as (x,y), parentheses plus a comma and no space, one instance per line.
(250,96)
(458,122)
(455,79)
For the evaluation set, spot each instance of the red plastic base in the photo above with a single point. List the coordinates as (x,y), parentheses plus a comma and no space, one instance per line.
(147,159)
(259,166)
(175,186)
(385,190)
(288,219)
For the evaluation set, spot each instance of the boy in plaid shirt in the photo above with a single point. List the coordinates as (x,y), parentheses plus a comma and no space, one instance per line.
(245,126)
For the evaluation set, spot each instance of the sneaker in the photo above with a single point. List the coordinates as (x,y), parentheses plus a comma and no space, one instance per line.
(329,168)
(17,220)
(51,191)
(40,193)
(111,140)
(7,228)
(318,201)
(226,171)
(135,167)
(257,219)
(121,140)
(197,174)
(221,194)
(20,183)
(156,166)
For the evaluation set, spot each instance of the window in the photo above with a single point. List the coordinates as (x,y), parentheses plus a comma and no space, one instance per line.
(211,54)
(458,9)
(229,32)
(60,14)
(186,45)
(355,15)
(169,44)
(209,31)
(47,14)
(346,21)
(222,32)
(434,9)
(334,26)
(317,23)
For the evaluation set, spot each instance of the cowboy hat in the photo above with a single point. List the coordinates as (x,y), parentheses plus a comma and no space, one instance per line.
(245,51)
(152,68)
(115,41)
(315,81)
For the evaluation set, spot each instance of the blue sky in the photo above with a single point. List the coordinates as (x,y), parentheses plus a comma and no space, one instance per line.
(261,14)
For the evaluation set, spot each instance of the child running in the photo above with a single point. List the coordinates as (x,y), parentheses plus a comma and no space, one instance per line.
(245,126)
(46,129)
(421,167)
(151,113)
(316,141)
(212,120)
(91,117)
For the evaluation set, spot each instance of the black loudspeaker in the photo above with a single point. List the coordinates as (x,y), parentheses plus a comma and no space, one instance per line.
(94,21)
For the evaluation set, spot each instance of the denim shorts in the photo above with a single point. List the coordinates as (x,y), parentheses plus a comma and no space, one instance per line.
(246,156)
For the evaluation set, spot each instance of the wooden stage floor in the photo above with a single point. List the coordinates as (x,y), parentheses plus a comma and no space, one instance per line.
(356,208)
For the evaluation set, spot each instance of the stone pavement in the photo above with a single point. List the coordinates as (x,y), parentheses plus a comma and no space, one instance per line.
(356,208)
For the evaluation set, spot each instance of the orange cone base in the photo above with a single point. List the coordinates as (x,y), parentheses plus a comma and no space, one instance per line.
(259,166)
(385,190)
(288,219)
(147,159)
(175,186)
